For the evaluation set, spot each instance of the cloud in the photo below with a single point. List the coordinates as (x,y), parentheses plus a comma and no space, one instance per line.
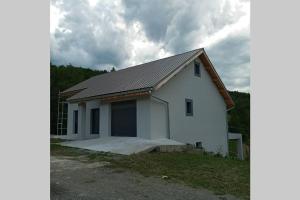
(121,33)
(88,35)
(231,58)
(185,25)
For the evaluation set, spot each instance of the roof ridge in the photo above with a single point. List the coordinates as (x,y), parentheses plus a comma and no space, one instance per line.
(158,59)
(136,67)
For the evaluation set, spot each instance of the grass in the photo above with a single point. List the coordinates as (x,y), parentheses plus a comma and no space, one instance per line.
(199,170)
(58,150)
(56,140)
(222,175)
(232,148)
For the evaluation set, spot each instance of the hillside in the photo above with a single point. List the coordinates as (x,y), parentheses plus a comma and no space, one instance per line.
(63,77)
(239,116)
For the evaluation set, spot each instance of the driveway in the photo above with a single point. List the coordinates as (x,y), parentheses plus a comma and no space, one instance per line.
(74,179)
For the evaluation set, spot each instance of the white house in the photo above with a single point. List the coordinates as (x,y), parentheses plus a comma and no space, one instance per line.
(180,98)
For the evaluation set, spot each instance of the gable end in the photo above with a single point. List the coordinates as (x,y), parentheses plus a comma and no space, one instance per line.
(211,71)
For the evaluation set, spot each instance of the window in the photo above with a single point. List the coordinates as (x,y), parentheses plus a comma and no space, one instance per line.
(188,107)
(197,69)
(95,121)
(75,121)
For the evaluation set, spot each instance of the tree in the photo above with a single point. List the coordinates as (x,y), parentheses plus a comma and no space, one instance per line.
(113,69)
(61,78)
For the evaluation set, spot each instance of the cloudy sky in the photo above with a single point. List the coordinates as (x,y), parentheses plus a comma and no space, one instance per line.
(100,34)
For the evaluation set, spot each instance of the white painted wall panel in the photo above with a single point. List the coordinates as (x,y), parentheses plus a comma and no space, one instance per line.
(81,120)
(84,113)
(143,118)
(208,123)
(105,120)
(158,120)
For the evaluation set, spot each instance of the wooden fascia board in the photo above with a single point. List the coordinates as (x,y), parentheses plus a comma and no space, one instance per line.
(131,94)
(125,97)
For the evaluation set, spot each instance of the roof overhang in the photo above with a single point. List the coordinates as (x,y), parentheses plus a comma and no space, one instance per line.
(70,93)
(119,96)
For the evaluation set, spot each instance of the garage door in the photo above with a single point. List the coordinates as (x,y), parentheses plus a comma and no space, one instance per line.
(123,118)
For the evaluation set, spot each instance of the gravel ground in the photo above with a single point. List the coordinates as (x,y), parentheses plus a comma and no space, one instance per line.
(72,179)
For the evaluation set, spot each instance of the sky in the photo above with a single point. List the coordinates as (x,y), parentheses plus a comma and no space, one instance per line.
(101,34)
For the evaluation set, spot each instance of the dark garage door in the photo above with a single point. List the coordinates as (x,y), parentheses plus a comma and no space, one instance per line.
(123,118)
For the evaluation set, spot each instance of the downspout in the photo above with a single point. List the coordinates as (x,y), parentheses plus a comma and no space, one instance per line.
(168,119)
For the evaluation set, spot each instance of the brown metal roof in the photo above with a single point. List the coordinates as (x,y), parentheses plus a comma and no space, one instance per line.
(138,78)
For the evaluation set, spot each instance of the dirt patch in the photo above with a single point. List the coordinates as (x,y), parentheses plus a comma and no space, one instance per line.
(77,179)
(68,163)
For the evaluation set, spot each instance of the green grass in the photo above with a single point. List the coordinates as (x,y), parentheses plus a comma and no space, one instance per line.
(56,140)
(58,150)
(91,156)
(199,170)
(232,148)
(222,175)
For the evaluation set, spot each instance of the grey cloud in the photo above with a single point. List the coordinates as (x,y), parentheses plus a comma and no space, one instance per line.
(231,58)
(154,15)
(87,36)
(177,22)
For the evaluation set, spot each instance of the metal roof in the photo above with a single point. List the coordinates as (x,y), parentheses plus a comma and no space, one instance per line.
(143,78)
(146,75)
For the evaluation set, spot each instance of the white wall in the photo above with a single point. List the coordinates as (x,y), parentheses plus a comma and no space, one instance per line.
(105,120)
(81,120)
(159,128)
(84,114)
(143,118)
(208,123)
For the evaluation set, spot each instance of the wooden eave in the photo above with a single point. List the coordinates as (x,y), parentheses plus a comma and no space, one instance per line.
(120,96)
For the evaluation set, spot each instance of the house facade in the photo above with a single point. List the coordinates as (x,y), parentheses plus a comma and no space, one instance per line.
(180,98)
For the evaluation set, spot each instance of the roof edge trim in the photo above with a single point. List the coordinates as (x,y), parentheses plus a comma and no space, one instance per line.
(111,95)
(70,93)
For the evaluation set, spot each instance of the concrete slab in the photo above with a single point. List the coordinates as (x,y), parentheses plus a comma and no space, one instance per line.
(120,145)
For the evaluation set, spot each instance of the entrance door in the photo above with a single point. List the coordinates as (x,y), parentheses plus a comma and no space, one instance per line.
(123,118)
